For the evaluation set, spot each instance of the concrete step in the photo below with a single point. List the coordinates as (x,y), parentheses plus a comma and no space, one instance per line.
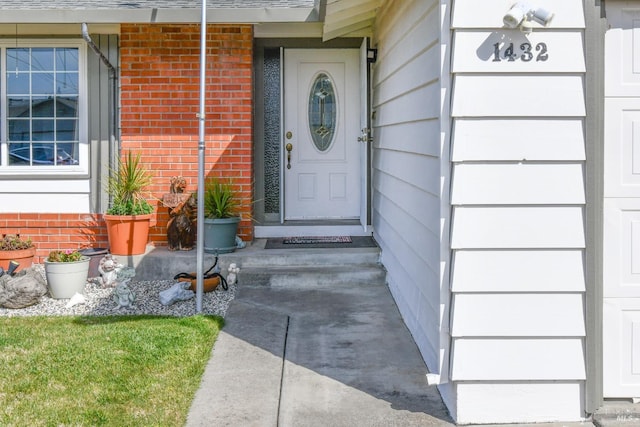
(310,258)
(262,265)
(312,276)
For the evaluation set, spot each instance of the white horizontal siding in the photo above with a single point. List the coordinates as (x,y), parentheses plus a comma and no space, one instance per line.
(517,227)
(39,186)
(517,231)
(406,164)
(414,201)
(518,271)
(489,13)
(422,172)
(520,402)
(518,139)
(409,107)
(421,137)
(407,29)
(518,95)
(427,60)
(419,241)
(474,51)
(512,184)
(45,203)
(514,315)
(418,311)
(558,359)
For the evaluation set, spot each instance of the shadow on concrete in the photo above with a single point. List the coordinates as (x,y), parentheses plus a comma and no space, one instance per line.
(347,356)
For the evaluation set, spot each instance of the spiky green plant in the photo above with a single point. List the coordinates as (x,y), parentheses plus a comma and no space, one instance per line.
(220,199)
(126,187)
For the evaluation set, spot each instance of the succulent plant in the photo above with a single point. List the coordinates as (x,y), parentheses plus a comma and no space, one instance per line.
(13,242)
(64,256)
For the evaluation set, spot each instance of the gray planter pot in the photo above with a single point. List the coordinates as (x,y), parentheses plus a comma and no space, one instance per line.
(66,278)
(220,235)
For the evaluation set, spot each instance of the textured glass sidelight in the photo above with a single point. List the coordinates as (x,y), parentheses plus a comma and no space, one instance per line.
(272,132)
(322,112)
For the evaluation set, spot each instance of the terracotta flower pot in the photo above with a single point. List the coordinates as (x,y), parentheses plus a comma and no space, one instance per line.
(128,235)
(22,256)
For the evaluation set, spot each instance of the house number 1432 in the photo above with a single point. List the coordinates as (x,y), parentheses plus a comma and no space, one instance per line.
(526,52)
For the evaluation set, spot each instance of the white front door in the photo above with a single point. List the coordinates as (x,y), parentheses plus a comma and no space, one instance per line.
(321,129)
(621,251)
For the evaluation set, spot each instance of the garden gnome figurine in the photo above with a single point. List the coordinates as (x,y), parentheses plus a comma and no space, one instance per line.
(123,296)
(108,269)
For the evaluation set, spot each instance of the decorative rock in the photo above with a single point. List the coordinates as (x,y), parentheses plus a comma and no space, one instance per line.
(23,289)
(100,302)
(178,292)
(123,296)
(76,299)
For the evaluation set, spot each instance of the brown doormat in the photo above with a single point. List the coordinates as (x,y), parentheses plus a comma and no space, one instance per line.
(321,242)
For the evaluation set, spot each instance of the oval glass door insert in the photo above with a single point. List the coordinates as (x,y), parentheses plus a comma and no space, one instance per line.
(322,112)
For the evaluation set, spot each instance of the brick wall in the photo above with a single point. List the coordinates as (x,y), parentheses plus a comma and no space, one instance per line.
(56,231)
(160,95)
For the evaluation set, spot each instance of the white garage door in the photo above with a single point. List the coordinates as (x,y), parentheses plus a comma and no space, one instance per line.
(621,350)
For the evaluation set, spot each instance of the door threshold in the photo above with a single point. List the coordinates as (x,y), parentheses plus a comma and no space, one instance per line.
(316,228)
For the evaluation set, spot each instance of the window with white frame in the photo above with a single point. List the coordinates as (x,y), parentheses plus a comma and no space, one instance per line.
(43,108)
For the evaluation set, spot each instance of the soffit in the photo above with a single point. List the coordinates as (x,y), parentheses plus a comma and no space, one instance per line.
(345,18)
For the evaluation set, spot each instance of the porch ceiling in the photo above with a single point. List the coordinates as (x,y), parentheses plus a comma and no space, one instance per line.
(349,18)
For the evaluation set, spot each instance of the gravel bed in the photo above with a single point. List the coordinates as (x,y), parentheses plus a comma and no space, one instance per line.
(99,302)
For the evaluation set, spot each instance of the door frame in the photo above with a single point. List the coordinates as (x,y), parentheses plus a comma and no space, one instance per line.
(596,27)
(268,224)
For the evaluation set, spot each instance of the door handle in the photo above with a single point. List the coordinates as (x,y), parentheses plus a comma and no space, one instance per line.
(365,136)
(289,147)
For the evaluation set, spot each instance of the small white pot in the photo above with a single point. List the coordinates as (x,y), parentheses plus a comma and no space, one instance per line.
(66,278)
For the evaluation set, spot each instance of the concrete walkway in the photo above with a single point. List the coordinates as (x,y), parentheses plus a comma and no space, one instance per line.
(321,356)
(332,356)
(300,351)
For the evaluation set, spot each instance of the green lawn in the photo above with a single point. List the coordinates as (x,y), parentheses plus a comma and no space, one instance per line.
(92,371)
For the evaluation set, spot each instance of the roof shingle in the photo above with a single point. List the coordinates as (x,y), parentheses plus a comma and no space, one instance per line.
(151,4)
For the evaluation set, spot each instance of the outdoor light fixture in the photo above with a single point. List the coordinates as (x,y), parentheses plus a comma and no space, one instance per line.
(523,12)
(372,55)
(13,265)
